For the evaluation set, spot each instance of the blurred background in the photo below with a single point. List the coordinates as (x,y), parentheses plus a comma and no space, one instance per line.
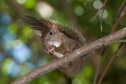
(21,51)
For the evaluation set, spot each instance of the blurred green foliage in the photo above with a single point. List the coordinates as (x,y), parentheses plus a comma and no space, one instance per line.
(30,4)
(21,50)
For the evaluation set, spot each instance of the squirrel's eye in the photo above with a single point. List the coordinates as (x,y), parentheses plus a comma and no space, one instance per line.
(50,33)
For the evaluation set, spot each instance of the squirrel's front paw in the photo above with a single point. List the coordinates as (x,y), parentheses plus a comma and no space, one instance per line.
(50,49)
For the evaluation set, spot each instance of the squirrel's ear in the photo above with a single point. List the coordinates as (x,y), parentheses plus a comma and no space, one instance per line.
(54,26)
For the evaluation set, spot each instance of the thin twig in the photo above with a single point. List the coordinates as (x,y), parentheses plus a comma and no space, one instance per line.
(119,41)
(97,70)
(119,19)
(99,10)
(96,14)
(101,20)
(108,65)
(102,14)
(120,8)
(98,66)
(71,56)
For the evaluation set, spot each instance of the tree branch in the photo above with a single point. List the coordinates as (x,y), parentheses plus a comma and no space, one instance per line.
(107,40)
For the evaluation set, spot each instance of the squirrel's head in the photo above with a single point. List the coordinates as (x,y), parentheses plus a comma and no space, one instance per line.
(46,29)
(53,37)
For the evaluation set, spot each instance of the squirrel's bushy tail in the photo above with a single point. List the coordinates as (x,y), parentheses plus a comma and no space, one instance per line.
(36,24)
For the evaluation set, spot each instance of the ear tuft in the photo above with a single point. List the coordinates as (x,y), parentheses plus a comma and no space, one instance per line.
(54,26)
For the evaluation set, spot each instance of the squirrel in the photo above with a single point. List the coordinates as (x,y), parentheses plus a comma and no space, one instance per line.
(59,41)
